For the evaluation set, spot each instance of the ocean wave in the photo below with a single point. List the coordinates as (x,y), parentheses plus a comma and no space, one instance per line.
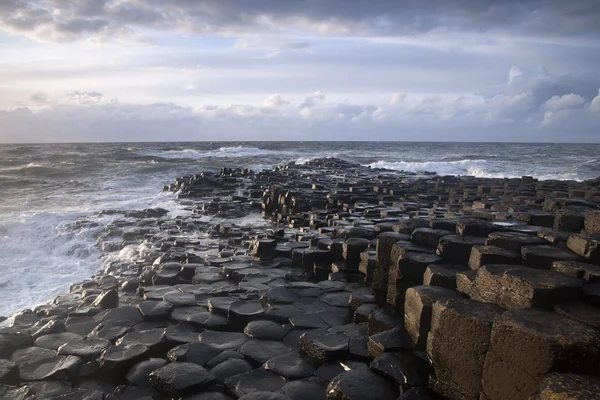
(476,168)
(222,152)
(459,167)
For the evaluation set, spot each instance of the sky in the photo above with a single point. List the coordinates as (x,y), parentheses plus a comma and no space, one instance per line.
(406,70)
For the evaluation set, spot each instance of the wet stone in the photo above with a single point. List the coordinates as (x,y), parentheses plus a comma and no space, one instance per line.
(55,340)
(223,340)
(567,386)
(404,369)
(54,368)
(197,353)
(220,305)
(242,312)
(266,330)
(150,338)
(139,373)
(483,255)
(580,311)
(178,378)
(291,366)
(542,257)
(230,368)
(111,330)
(306,389)
(359,385)
(126,313)
(281,312)
(279,295)
(208,320)
(260,351)
(222,357)
(320,345)
(86,348)
(255,380)
(513,240)
(337,299)
(181,333)
(264,396)
(30,354)
(9,373)
(396,339)
(119,357)
(308,321)
(181,314)
(107,300)
(335,315)
(180,299)
(588,272)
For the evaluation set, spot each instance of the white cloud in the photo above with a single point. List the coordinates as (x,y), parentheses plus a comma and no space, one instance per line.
(595,105)
(557,103)
(276,101)
(312,99)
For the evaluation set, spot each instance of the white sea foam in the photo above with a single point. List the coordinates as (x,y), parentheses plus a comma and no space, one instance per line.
(233,152)
(472,167)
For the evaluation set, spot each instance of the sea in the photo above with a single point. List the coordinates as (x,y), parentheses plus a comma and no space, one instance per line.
(45,188)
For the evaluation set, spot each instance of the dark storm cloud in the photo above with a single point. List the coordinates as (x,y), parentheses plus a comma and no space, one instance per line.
(71,19)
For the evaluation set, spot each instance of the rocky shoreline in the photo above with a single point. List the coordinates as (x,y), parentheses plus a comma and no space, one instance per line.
(358,284)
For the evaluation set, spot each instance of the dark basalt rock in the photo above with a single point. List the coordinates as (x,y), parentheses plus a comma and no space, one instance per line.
(153,310)
(125,313)
(243,312)
(180,299)
(320,345)
(223,340)
(139,373)
(178,378)
(55,368)
(230,368)
(396,339)
(260,351)
(9,373)
(405,369)
(152,338)
(208,320)
(16,393)
(359,385)
(122,357)
(567,386)
(86,348)
(291,366)
(306,389)
(197,353)
(266,330)
(55,340)
(181,333)
(264,396)
(308,321)
(107,300)
(30,354)
(257,380)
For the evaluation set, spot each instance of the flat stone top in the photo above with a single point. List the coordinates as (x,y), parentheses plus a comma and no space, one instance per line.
(549,325)
(470,308)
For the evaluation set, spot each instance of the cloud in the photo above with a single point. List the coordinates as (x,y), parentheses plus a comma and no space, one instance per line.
(556,103)
(533,105)
(312,99)
(66,20)
(595,105)
(276,101)
(39,98)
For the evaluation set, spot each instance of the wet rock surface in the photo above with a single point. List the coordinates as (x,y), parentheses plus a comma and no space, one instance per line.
(329,281)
